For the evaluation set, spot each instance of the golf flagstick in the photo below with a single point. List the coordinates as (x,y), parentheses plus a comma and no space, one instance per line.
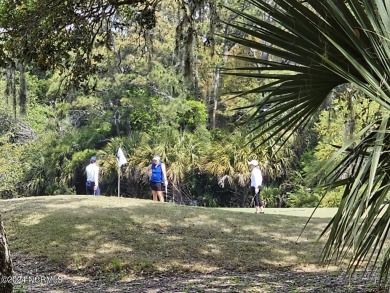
(119,181)
(121,158)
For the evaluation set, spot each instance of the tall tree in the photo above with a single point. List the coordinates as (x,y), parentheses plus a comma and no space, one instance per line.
(22,89)
(313,47)
(10,88)
(63,35)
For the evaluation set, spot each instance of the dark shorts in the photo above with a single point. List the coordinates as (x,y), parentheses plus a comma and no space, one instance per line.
(257,197)
(90,187)
(156,186)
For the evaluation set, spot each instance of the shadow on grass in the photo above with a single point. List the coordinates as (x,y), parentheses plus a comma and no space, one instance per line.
(218,281)
(111,238)
(145,236)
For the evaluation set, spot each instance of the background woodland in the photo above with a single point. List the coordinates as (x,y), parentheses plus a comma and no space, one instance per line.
(150,83)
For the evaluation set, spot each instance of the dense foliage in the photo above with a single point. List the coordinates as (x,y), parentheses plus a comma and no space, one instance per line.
(310,78)
(319,47)
(148,93)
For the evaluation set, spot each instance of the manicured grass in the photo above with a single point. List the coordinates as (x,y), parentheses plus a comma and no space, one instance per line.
(133,236)
(296,212)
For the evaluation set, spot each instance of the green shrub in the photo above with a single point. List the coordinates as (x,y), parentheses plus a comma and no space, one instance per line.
(303,198)
(332,198)
(271,196)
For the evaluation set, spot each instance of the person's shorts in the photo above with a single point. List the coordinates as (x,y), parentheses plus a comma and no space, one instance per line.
(90,186)
(156,186)
(257,196)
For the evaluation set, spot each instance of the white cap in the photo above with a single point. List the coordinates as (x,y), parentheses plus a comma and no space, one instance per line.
(156,157)
(254,163)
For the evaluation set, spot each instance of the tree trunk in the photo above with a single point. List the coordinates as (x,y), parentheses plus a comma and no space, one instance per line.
(7,91)
(13,90)
(22,89)
(6,285)
(117,118)
(10,89)
(215,97)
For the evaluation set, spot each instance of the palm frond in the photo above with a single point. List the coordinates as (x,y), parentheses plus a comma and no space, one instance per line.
(310,40)
(363,219)
(314,47)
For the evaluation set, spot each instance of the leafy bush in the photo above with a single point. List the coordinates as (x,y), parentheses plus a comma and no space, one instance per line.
(194,116)
(332,198)
(303,198)
(12,167)
(270,196)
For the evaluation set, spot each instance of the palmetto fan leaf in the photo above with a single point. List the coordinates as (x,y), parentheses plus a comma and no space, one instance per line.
(300,37)
(314,47)
(362,221)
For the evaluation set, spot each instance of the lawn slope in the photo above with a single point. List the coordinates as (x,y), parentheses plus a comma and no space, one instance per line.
(133,236)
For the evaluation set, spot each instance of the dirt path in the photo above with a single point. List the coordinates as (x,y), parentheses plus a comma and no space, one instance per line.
(36,275)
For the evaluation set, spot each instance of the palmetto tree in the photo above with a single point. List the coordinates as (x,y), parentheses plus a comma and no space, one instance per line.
(313,47)
(182,152)
(228,161)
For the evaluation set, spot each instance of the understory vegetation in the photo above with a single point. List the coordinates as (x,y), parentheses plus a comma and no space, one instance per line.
(301,86)
(147,106)
(45,152)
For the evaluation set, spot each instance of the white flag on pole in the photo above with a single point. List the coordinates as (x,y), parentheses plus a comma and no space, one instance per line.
(120,157)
